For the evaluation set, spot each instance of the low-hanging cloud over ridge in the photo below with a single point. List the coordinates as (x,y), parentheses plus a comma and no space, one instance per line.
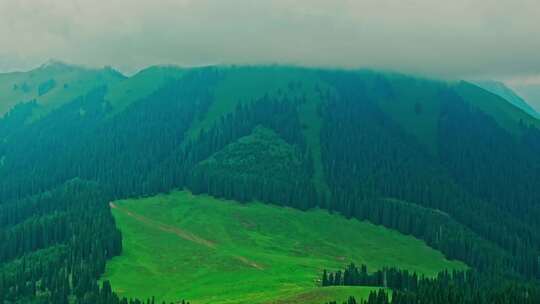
(459,38)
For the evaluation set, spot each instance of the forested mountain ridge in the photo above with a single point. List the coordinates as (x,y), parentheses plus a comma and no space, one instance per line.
(448,163)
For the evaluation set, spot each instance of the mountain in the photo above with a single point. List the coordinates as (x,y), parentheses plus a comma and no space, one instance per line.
(531,92)
(448,163)
(505,92)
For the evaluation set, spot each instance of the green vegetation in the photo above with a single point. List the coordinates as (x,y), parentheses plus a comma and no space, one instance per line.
(245,84)
(449,164)
(446,288)
(327,294)
(262,154)
(311,122)
(415,106)
(52,85)
(140,86)
(53,246)
(214,251)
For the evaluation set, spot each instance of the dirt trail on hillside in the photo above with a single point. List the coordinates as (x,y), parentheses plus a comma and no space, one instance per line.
(188,236)
(179,232)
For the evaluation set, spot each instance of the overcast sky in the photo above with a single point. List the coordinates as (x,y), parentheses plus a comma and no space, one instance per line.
(452,38)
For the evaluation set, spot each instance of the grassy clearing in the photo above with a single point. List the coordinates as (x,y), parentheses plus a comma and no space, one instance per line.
(214,251)
(327,294)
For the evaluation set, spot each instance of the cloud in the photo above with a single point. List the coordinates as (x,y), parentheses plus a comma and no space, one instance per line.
(459,38)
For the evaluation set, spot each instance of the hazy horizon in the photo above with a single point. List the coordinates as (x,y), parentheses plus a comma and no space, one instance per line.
(458,39)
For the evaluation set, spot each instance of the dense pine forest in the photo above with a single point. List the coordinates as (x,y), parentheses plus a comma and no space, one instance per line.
(54,246)
(402,287)
(426,158)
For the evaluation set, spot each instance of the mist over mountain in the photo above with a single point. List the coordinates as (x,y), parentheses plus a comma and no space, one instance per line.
(422,36)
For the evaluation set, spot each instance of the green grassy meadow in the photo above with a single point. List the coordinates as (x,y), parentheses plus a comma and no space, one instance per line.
(207,250)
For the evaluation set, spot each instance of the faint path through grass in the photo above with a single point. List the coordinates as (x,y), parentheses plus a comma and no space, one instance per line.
(186,235)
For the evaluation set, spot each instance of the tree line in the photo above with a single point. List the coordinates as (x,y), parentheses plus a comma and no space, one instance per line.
(54,247)
(457,287)
(368,156)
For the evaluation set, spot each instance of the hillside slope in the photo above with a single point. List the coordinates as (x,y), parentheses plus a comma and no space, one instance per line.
(51,86)
(447,163)
(214,251)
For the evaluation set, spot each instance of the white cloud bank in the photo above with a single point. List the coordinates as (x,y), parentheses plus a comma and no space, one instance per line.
(452,38)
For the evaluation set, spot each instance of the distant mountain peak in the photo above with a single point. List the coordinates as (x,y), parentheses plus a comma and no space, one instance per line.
(57,64)
(502,90)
